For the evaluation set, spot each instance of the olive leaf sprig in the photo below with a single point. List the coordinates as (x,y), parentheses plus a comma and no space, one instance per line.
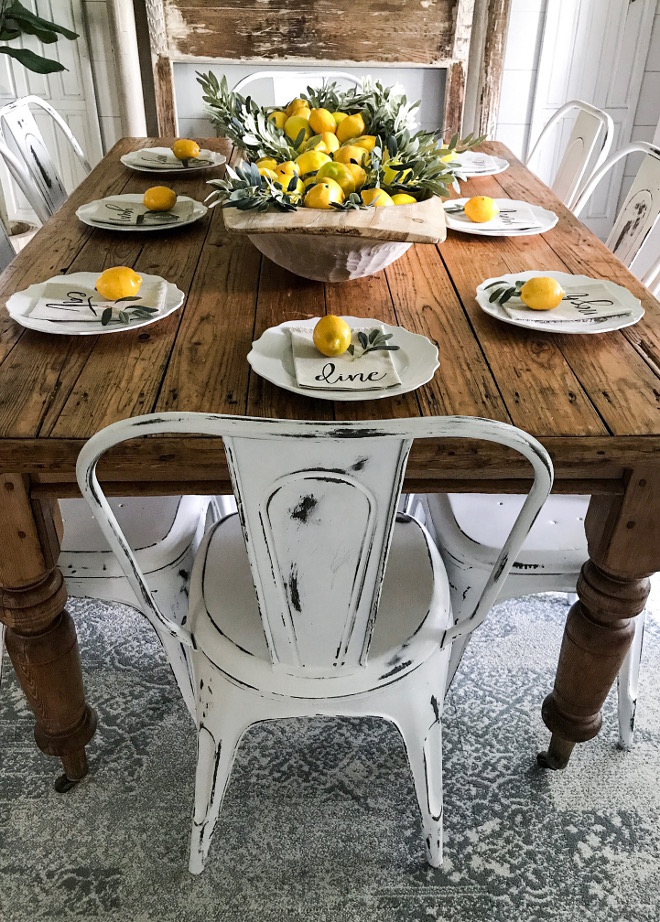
(376,341)
(455,209)
(134,313)
(246,189)
(504,292)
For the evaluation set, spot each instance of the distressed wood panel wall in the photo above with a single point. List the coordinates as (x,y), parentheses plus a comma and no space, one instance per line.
(386,31)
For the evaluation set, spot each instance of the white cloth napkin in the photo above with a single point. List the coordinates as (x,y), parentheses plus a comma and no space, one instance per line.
(115,210)
(162,158)
(581,303)
(373,371)
(66,302)
(472,162)
(511,217)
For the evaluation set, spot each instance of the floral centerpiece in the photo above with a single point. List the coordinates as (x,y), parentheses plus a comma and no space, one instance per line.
(349,154)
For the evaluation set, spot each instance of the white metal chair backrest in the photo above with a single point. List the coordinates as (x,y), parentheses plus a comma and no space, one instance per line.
(638,214)
(19,130)
(18,172)
(6,249)
(588,146)
(317,502)
(280,87)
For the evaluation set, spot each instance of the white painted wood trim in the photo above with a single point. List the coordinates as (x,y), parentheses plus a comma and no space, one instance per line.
(129,78)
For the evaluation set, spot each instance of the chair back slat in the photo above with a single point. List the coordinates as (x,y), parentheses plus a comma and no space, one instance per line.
(638,213)
(318,518)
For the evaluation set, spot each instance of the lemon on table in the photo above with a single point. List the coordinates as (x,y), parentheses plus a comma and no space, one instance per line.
(185,149)
(321,120)
(118,282)
(402,198)
(323,194)
(376,197)
(332,336)
(481,208)
(541,293)
(350,127)
(159,198)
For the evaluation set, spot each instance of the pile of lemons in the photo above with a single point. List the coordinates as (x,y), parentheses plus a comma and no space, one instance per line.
(334,151)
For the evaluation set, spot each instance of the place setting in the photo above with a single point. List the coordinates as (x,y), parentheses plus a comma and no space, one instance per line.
(343,358)
(90,303)
(559,302)
(160,208)
(473,163)
(500,217)
(185,156)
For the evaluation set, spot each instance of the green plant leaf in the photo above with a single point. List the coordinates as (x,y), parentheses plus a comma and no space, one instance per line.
(106,316)
(18,12)
(32,61)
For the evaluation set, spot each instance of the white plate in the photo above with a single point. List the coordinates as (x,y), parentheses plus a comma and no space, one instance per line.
(468,164)
(605,325)
(218,160)
(546,219)
(21,303)
(415,361)
(85,212)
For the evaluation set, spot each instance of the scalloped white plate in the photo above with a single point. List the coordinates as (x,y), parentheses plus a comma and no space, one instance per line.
(546,220)
(416,361)
(85,211)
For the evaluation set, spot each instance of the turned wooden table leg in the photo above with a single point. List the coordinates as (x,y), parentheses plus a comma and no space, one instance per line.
(624,545)
(41,637)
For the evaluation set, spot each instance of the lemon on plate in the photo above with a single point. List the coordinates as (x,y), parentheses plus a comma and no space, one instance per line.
(332,336)
(541,293)
(185,149)
(159,198)
(480,208)
(118,282)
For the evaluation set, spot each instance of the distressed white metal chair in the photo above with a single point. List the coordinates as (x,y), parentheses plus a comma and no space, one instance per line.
(18,172)
(20,132)
(280,86)
(588,146)
(311,601)
(637,217)
(468,527)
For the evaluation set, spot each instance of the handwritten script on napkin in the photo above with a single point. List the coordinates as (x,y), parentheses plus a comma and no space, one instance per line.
(582,303)
(119,211)
(162,158)
(361,371)
(65,302)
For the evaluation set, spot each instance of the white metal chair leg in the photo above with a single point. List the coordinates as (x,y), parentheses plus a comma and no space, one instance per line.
(627,685)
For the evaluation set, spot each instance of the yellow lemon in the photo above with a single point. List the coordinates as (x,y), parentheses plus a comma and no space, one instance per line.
(311,161)
(279,117)
(393,172)
(359,175)
(480,208)
(296,103)
(368,141)
(296,124)
(269,174)
(541,293)
(402,198)
(316,142)
(350,127)
(330,140)
(321,120)
(351,152)
(339,173)
(323,194)
(185,149)
(270,163)
(159,198)
(339,116)
(292,184)
(332,335)
(118,282)
(289,166)
(449,157)
(378,197)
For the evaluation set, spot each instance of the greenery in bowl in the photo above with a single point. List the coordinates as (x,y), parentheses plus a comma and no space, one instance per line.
(421,167)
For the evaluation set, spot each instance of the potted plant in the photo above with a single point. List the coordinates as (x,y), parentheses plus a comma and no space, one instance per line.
(311,199)
(15,21)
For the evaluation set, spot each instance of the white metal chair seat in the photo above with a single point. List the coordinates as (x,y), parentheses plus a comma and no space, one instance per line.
(587,147)
(467,528)
(315,602)
(20,133)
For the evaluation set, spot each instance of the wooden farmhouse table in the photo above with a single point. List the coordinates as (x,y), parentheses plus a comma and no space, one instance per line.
(592,400)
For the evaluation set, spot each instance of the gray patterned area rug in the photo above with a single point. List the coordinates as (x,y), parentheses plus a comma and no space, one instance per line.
(320,821)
